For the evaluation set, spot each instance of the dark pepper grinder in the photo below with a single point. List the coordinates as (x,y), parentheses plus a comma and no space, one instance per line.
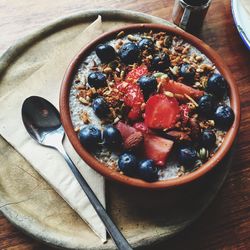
(190,14)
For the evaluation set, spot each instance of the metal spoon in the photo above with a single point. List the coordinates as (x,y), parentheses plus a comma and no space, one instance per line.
(42,121)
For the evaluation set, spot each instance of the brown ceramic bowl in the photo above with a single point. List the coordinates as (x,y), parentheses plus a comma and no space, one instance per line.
(116,176)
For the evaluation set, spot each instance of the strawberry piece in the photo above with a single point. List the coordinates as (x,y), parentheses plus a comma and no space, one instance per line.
(161,112)
(184,114)
(157,148)
(133,96)
(136,73)
(125,130)
(179,89)
(141,126)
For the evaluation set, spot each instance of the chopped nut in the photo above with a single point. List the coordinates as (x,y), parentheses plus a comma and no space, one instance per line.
(107,70)
(132,38)
(85,117)
(120,34)
(133,141)
(186,49)
(77,129)
(117,119)
(191,99)
(199,58)
(83,101)
(195,128)
(168,93)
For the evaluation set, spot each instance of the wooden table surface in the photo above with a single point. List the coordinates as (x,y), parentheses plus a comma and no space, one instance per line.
(226,223)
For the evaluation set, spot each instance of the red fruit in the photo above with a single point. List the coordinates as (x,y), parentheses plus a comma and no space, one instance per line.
(133,96)
(161,112)
(141,126)
(157,148)
(179,88)
(184,114)
(125,130)
(136,73)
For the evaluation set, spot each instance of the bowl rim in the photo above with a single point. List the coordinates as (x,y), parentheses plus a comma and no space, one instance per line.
(116,176)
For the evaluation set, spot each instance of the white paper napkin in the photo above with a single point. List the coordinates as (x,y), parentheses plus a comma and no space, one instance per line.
(46,82)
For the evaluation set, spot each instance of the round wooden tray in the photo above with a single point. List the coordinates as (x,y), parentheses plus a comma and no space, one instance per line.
(145,217)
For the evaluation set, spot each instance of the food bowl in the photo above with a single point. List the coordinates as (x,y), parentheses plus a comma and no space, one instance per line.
(116,176)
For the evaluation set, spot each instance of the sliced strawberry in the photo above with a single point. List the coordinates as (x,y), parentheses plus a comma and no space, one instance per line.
(125,130)
(141,126)
(179,88)
(184,114)
(136,73)
(133,96)
(157,148)
(161,112)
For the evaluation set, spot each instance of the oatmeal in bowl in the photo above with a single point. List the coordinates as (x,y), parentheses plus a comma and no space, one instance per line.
(149,106)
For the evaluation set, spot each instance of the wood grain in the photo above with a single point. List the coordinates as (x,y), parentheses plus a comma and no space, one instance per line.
(226,223)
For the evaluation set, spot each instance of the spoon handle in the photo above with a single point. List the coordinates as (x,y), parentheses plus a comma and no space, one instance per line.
(114,232)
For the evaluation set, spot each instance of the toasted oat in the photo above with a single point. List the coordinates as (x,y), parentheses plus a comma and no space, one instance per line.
(191,99)
(132,38)
(85,117)
(168,94)
(120,34)
(83,101)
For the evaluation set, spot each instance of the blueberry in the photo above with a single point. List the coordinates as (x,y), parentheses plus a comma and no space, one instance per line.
(100,107)
(207,139)
(127,163)
(206,105)
(146,44)
(147,170)
(148,85)
(129,53)
(187,72)
(187,156)
(217,85)
(160,62)
(97,80)
(90,137)
(224,117)
(112,137)
(105,52)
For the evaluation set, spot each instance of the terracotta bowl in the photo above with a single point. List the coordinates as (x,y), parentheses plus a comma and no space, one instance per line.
(116,176)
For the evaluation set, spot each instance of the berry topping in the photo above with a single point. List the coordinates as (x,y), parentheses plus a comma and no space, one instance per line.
(160,62)
(161,112)
(141,126)
(133,96)
(224,117)
(217,85)
(100,107)
(105,52)
(127,163)
(147,170)
(125,130)
(112,137)
(179,89)
(148,85)
(90,137)
(136,73)
(206,105)
(157,148)
(184,113)
(187,72)
(187,156)
(207,139)
(129,53)
(146,44)
(97,80)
